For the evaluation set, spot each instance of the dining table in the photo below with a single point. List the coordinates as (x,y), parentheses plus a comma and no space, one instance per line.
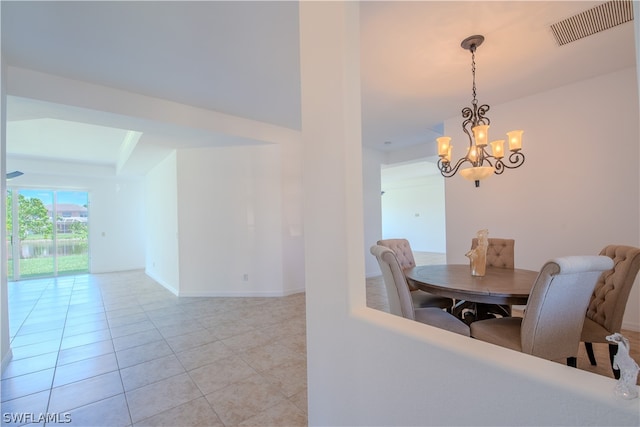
(498,287)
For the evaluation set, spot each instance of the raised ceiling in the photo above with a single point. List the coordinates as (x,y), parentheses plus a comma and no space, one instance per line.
(242,59)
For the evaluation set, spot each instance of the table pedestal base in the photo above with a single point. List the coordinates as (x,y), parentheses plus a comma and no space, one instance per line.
(469,311)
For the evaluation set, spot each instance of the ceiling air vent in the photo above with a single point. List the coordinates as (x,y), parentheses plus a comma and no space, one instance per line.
(592,21)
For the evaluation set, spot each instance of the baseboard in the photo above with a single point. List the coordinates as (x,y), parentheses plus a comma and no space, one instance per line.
(162,283)
(212,294)
(6,360)
(248,294)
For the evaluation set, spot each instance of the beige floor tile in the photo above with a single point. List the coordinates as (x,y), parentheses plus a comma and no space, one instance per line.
(149,372)
(247,340)
(128,312)
(203,355)
(131,328)
(84,315)
(295,343)
(134,340)
(244,399)
(36,338)
(109,412)
(224,329)
(269,356)
(30,365)
(221,373)
(196,413)
(300,400)
(143,353)
(35,403)
(97,325)
(85,369)
(31,325)
(161,396)
(177,327)
(13,388)
(81,393)
(82,352)
(290,378)
(38,349)
(195,339)
(86,338)
(126,316)
(284,413)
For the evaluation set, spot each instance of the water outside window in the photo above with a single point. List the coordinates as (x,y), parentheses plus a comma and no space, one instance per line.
(47,233)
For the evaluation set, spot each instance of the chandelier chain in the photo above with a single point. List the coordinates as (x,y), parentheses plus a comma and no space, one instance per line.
(473,73)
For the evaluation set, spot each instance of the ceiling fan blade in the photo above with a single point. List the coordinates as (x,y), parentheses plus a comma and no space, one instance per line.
(14,174)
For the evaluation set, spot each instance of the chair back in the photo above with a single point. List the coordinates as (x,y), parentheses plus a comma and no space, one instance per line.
(553,320)
(402,249)
(398,293)
(609,298)
(500,252)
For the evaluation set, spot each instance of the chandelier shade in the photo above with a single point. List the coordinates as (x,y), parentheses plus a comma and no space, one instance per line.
(479,163)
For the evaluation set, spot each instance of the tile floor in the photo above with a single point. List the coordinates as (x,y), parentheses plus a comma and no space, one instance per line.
(120,350)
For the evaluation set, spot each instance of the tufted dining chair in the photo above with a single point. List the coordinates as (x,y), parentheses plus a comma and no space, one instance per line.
(500,252)
(553,321)
(404,254)
(609,300)
(400,301)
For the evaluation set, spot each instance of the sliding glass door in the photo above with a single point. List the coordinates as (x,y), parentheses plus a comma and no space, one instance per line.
(47,233)
(72,232)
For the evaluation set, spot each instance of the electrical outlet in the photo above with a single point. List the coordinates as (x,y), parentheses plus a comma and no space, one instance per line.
(245,277)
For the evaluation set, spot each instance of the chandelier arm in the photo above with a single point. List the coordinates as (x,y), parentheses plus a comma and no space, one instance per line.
(516,159)
(447,170)
(484,156)
(499,167)
(481,119)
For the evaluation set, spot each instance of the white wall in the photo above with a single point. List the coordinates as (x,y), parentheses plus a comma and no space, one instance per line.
(162,258)
(366,367)
(292,229)
(578,189)
(372,202)
(230,221)
(117,225)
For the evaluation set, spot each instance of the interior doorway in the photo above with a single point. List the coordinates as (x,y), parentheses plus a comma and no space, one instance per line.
(413,205)
(47,233)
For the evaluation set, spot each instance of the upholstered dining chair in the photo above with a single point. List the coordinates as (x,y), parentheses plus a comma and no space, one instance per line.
(553,321)
(400,301)
(609,300)
(500,252)
(404,254)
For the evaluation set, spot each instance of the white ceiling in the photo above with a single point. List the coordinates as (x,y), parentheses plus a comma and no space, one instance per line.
(241,58)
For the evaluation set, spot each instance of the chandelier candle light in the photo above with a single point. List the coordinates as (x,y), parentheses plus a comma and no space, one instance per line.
(482,164)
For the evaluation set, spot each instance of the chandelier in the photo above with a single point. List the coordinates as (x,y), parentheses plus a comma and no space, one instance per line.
(476,126)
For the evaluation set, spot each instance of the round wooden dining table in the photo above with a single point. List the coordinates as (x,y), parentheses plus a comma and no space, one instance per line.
(498,286)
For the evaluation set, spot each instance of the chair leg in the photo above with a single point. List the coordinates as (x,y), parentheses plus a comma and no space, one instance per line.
(613,349)
(572,361)
(592,358)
